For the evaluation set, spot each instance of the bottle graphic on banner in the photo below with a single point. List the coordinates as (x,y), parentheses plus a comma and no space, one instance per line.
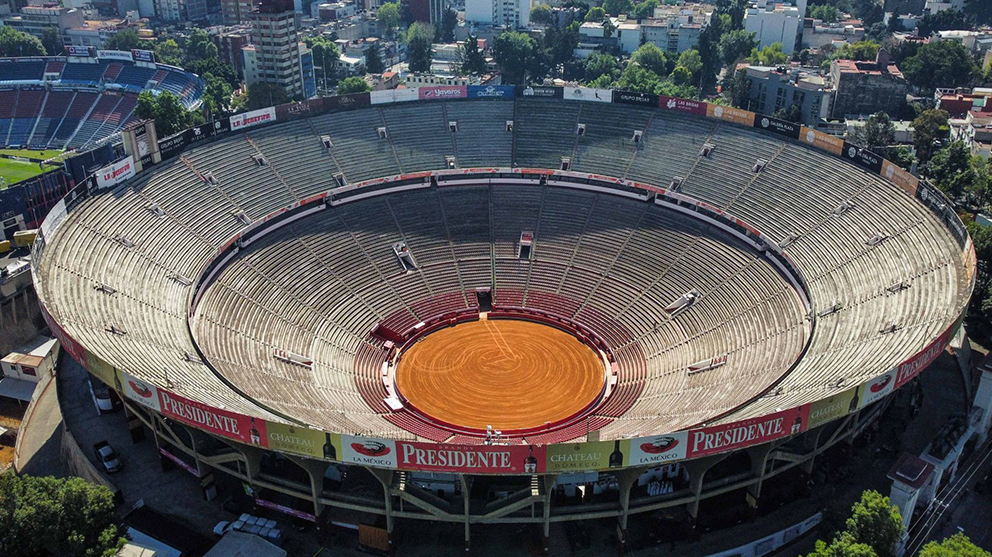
(616,457)
(530,463)
(253,435)
(330,453)
(797,425)
(854,401)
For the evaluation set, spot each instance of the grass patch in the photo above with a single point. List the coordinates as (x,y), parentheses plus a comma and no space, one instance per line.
(13,171)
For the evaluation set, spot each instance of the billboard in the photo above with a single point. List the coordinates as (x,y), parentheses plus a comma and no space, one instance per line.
(659,449)
(442,92)
(639,99)
(898,176)
(913,366)
(490,91)
(83,51)
(540,92)
(102,370)
(730,114)
(822,141)
(303,441)
(115,55)
(682,105)
(862,157)
(380,453)
(110,176)
(725,437)
(390,96)
(829,409)
(142,55)
(220,422)
(477,459)
(774,125)
(877,388)
(596,455)
(285,111)
(587,94)
(140,391)
(346,102)
(253,118)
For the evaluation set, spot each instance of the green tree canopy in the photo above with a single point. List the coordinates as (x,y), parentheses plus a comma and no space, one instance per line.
(737,89)
(354,84)
(16,43)
(199,46)
(771,55)
(217,95)
(736,44)
(617,7)
(825,13)
(169,52)
(262,95)
(681,75)
(940,64)
(418,40)
(165,108)
(515,53)
(690,60)
(449,20)
(876,134)
(928,127)
(651,58)
(51,39)
(373,60)
(645,9)
(596,15)
(735,9)
(473,60)
(843,546)
(876,523)
(123,40)
(541,14)
(861,50)
(957,545)
(638,78)
(944,20)
(48,516)
(950,169)
(979,11)
(215,67)
(869,11)
(389,17)
(601,64)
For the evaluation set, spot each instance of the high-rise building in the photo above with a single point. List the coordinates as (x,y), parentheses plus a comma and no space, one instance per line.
(181,10)
(508,13)
(234,12)
(276,55)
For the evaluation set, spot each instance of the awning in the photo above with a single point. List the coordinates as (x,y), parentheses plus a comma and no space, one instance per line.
(18,389)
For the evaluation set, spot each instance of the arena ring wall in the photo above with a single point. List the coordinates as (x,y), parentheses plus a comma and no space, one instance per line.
(247,287)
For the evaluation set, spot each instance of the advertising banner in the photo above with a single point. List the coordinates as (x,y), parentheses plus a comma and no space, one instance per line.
(391,96)
(178,461)
(659,449)
(774,125)
(303,441)
(253,118)
(830,409)
(490,91)
(540,92)
(477,459)
(288,110)
(639,99)
(730,114)
(862,157)
(587,94)
(442,92)
(102,370)
(115,55)
(83,51)
(54,219)
(286,510)
(140,391)
(597,455)
(348,102)
(682,105)
(726,437)
(913,366)
(900,177)
(110,176)
(877,388)
(221,422)
(370,452)
(172,146)
(142,55)
(822,141)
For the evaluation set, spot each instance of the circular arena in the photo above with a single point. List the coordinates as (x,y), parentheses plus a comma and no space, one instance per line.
(607,285)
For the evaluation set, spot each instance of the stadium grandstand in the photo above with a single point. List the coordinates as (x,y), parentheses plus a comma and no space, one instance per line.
(74,102)
(738,283)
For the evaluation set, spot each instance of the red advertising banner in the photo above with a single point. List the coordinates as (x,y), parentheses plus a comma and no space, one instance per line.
(725,437)
(286,510)
(221,422)
(179,462)
(682,105)
(477,459)
(68,343)
(913,366)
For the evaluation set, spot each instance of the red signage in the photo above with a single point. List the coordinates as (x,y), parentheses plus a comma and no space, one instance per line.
(726,437)
(913,366)
(479,459)
(222,422)
(682,105)
(286,510)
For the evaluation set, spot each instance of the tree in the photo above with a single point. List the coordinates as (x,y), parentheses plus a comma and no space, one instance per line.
(449,20)
(944,20)
(168,52)
(978,11)
(16,43)
(49,516)
(215,67)
(168,112)
(735,9)
(861,50)
(601,64)
(877,32)
(325,56)
(595,15)
(389,17)
(737,89)
(928,127)
(353,84)
(217,95)
(651,58)
(123,40)
(681,75)
(735,45)
(869,11)
(617,7)
(876,134)
(541,14)
(957,545)
(825,13)
(418,42)
(51,39)
(199,46)
(876,523)
(514,52)
(843,546)
(690,60)
(792,114)
(473,60)
(709,49)
(771,55)
(559,46)
(262,95)
(940,64)
(373,60)
(901,156)
(638,78)
(950,169)
(645,9)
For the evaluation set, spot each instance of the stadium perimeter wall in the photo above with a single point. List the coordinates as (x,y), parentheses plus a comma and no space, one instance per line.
(439,457)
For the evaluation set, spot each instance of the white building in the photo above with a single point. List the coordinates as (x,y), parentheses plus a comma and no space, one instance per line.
(773,23)
(934,6)
(24,367)
(508,13)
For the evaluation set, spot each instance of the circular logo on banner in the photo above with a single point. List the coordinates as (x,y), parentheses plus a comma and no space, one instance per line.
(718,112)
(764,122)
(852,152)
(880,384)
(890,170)
(371,448)
(810,136)
(660,445)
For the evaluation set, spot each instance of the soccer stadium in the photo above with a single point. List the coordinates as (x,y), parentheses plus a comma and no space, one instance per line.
(490,305)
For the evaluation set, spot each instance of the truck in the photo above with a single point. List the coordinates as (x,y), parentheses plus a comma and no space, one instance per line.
(107,457)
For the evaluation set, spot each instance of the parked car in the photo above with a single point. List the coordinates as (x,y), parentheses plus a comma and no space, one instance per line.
(107,457)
